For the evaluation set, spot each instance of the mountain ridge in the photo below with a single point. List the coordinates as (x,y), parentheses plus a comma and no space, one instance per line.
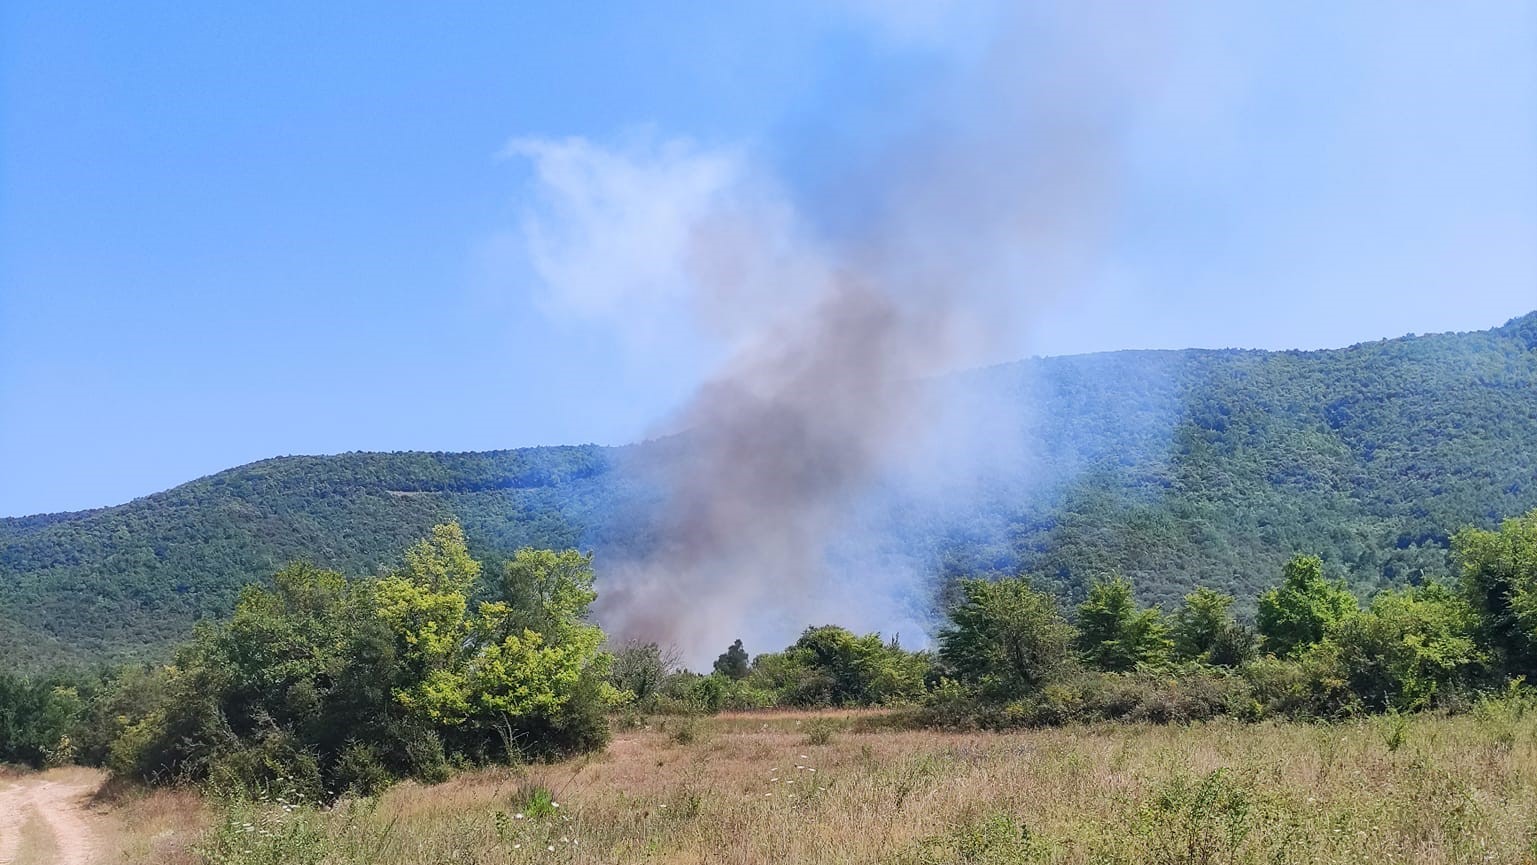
(1174,466)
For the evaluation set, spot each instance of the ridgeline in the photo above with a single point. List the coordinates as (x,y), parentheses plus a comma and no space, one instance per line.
(1176,468)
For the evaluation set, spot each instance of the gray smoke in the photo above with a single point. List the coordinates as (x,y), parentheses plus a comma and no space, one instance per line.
(913,254)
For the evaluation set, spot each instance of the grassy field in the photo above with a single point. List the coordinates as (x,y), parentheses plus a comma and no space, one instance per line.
(835,788)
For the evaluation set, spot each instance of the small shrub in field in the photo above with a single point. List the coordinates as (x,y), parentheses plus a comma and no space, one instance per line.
(819,731)
(1502,716)
(994,839)
(1394,728)
(684,804)
(1195,822)
(683,730)
(536,803)
(360,772)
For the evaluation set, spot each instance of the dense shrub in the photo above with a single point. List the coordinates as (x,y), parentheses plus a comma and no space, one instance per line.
(1303,608)
(1005,638)
(36,716)
(1114,634)
(324,683)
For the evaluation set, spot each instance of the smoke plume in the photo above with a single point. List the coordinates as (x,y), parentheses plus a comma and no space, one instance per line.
(890,259)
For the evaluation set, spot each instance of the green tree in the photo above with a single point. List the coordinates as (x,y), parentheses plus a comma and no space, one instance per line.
(299,672)
(1408,647)
(425,602)
(733,663)
(1301,610)
(1499,579)
(831,666)
(35,719)
(1204,630)
(642,670)
(1113,634)
(326,683)
(1005,638)
(547,591)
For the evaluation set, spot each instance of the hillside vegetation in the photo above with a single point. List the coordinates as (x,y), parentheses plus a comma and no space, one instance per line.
(1175,468)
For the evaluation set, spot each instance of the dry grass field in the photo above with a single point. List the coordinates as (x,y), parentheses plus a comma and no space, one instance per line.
(835,788)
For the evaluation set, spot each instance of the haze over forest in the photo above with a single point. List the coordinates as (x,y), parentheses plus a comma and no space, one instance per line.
(1176,469)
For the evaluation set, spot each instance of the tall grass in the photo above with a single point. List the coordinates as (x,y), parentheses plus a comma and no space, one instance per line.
(753,789)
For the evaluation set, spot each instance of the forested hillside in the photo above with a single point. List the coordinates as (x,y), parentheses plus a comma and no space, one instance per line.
(1176,468)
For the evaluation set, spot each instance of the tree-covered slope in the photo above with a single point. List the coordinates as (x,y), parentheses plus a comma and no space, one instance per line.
(1175,468)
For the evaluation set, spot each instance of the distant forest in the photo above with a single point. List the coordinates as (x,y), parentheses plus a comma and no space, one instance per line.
(1176,469)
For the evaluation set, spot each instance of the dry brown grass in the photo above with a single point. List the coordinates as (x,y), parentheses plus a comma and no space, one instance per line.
(156,827)
(745,792)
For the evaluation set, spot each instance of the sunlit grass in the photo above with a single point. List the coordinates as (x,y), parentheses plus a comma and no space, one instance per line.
(752,788)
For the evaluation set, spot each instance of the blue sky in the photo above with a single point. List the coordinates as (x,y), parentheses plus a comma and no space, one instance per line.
(230,233)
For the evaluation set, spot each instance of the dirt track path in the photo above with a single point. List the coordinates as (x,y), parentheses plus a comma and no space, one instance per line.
(55,805)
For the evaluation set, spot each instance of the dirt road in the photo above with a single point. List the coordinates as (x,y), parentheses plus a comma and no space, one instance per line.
(46,818)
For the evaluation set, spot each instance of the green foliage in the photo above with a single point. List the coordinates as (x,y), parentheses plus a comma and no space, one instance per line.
(1177,469)
(265,831)
(1193,821)
(683,730)
(734,662)
(819,731)
(830,666)
(1205,631)
(1499,578)
(1113,634)
(1299,612)
(1408,647)
(1394,729)
(36,717)
(641,672)
(991,839)
(1506,716)
(324,683)
(1005,638)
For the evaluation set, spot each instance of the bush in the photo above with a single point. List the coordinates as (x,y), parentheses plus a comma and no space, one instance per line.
(683,730)
(991,839)
(360,772)
(819,731)
(1205,820)
(325,683)
(1005,639)
(36,717)
(1156,697)
(1183,696)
